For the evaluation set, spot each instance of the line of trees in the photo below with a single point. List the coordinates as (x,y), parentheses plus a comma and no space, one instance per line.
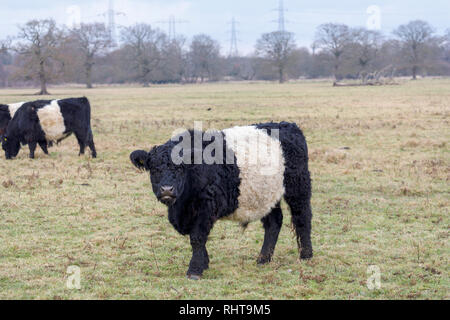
(44,53)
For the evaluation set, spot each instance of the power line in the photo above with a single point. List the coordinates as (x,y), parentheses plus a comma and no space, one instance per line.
(233,43)
(281,21)
(111,14)
(172,22)
(281,16)
(111,21)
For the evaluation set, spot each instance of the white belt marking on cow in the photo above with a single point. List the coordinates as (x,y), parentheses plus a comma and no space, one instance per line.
(261,164)
(52,121)
(13,107)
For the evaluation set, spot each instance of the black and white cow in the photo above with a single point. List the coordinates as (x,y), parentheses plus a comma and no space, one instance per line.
(7,112)
(257,170)
(45,121)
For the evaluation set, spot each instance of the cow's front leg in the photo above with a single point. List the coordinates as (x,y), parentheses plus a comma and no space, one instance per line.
(200,260)
(32,146)
(199,236)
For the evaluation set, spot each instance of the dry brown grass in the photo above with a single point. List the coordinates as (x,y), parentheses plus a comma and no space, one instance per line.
(380,167)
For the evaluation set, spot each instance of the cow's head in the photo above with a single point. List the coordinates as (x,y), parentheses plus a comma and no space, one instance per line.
(11,146)
(168,179)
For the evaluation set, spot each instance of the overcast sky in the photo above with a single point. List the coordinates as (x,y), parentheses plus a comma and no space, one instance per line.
(213,17)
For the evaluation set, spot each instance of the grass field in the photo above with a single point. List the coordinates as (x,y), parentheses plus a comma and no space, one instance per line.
(380,164)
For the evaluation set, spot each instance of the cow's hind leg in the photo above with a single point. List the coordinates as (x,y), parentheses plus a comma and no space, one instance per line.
(43,145)
(301,220)
(298,197)
(81,138)
(91,144)
(272,224)
(32,146)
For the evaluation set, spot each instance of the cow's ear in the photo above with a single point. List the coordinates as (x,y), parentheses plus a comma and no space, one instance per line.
(139,159)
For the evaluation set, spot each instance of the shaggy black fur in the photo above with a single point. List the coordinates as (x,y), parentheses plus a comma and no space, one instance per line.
(25,128)
(5,118)
(297,181)
(197,195)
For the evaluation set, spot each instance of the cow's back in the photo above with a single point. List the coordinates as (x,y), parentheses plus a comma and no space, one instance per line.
(58,118)
(13,107)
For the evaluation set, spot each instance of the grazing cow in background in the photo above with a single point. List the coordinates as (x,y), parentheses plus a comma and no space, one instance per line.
(243,187)
(7,112)
(45,121)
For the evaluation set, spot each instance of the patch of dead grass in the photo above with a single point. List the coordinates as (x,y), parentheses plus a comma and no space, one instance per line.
(379,162)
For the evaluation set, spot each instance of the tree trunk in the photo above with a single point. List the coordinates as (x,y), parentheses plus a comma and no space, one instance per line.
(336,68)
(281,74)
(42,80)
(89,77)
(414,72)
(145,82)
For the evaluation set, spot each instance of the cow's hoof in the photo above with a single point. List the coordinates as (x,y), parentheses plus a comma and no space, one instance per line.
(306,254)
(263,260)
(193,277)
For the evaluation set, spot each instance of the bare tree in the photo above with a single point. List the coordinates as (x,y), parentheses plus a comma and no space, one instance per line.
(333,39)
(240,68)
(40,40)
(446,46)
(44,53)
(172,67)
(301,63)
(5,58)
(92,39)
(414,36)
(367,44)
(277,47)
(204,56)
(5,45)
(144,45)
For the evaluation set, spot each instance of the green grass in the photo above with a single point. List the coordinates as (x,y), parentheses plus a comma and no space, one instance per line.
(383,200)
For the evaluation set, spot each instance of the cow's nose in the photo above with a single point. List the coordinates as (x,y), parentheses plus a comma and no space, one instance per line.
(167,191)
